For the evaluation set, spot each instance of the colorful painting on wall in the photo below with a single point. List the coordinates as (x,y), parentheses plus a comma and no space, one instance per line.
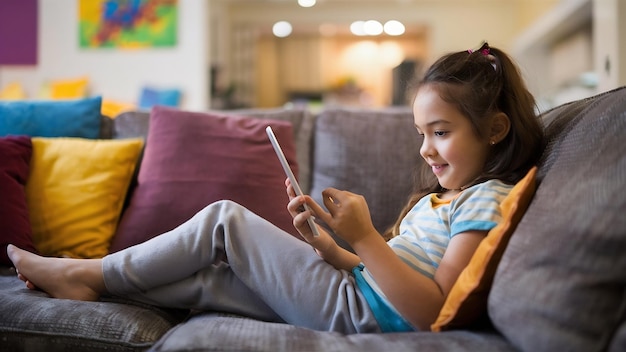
(127,24)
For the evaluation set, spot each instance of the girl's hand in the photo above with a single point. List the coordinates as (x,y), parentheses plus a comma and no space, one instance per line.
(324,244)
(300,216)
(348,215)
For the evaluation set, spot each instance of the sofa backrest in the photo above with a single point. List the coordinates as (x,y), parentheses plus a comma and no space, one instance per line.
(374,153)
(561,282)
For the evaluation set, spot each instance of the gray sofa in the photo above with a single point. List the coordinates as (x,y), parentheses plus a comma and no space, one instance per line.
(561,284)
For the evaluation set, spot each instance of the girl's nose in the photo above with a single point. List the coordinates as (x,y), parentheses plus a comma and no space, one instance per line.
(427,149)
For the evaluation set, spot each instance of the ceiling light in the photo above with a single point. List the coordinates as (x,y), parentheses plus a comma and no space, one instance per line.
(306,3)
(358,28)
(373,27)
(394,27)
(282,29)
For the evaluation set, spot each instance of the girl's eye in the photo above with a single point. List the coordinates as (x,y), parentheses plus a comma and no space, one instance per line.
(440,133)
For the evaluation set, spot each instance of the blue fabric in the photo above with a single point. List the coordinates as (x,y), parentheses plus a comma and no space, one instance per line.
(166,97)
(388,320)
(51,118)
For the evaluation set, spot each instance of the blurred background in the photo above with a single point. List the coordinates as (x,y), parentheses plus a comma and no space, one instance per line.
(227,54)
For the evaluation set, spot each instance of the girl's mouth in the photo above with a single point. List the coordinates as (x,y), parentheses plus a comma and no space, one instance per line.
(438,169)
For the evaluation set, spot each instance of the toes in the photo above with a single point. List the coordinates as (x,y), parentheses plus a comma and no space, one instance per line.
(21,277)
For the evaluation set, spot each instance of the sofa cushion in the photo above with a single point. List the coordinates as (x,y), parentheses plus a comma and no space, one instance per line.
(303,124)
(193,159)
(374,153)
(560,284)
(76,190)
(132,124)
(54,118)
(467,301)
(32,321)
(218,332)
(15,154)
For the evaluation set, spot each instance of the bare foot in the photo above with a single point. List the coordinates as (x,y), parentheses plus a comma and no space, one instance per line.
(79,279)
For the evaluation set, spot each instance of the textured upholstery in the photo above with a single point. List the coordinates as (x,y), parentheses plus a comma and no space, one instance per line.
(619,339)
(32,321)
(374,153)
(211,332)
(560,284)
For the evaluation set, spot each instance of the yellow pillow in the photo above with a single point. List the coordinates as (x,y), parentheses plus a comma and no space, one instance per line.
(13,91)
(75,193)
(113,108)
(69,89)
(467,301)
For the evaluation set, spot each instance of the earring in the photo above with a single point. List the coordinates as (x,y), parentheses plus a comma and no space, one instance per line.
(492,142)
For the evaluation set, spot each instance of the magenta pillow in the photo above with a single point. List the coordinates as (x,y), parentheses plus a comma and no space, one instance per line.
(193,159)
(15,154)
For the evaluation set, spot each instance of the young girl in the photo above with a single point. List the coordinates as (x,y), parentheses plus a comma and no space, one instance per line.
(480,136)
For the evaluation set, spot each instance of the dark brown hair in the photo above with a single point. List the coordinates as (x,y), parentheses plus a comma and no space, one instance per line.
(479,84)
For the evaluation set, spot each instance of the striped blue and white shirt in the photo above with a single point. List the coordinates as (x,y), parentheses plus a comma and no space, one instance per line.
(427,229)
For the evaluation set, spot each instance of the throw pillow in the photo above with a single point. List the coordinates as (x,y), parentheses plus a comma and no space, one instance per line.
(75,193)
(151,97)
(193,159)
(54,118)
(112,108)
(13,91)
(467,301)
(15,154)
(69,88)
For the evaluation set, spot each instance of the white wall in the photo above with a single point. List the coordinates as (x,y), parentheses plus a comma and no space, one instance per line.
(119,74)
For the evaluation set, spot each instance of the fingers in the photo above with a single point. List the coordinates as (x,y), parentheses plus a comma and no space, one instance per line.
(295,205)
(291,192)
(333,198)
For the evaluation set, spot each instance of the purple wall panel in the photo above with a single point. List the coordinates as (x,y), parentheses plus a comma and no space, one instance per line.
(18,32)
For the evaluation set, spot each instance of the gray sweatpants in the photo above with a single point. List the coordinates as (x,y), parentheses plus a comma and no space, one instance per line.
(228,259)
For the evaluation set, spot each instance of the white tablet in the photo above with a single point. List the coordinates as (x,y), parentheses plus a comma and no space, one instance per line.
(290,175)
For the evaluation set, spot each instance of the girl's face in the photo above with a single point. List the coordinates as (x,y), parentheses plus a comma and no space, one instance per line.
(454,152)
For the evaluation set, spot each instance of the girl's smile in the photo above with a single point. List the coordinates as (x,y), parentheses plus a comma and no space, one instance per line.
(438,169)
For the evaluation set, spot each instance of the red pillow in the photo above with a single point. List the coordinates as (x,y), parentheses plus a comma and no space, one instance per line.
(193,159)
(15,154)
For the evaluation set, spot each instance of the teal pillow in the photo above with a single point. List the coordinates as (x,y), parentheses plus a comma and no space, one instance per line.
(51,118)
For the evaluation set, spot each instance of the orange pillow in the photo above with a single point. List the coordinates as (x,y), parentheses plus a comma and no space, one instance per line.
(467,301)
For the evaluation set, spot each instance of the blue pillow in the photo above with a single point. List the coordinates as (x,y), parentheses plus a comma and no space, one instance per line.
(166,97)
(51,118)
